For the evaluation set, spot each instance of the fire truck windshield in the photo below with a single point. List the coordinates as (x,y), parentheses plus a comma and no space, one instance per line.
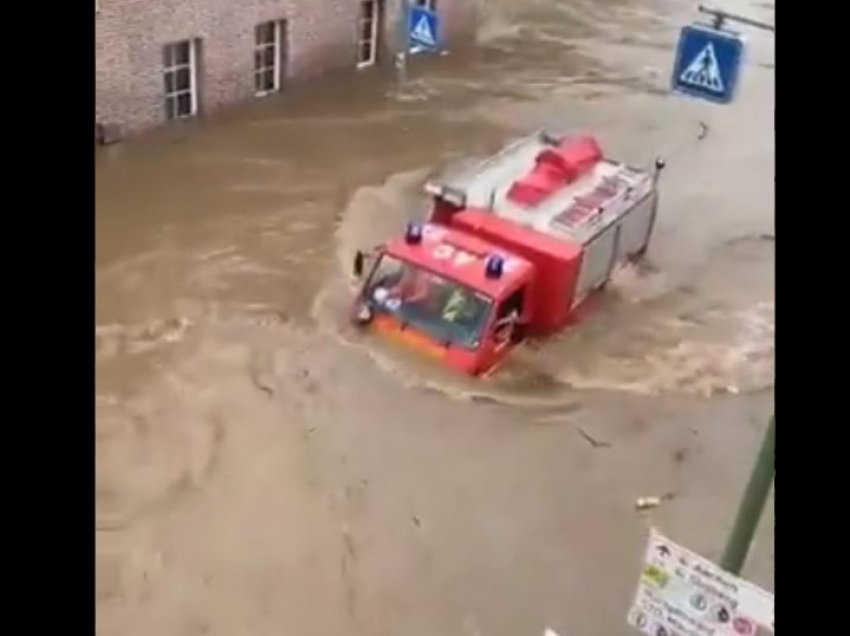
(444,309)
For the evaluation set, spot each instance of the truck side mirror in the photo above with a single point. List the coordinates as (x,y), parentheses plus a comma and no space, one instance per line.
(359,264)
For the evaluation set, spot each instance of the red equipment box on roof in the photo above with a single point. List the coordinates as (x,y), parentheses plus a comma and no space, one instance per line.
(555,168)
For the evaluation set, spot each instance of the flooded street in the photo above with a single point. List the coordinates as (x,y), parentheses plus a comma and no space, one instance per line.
(262,470)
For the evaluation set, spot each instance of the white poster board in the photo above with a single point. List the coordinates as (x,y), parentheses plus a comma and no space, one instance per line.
(682,594)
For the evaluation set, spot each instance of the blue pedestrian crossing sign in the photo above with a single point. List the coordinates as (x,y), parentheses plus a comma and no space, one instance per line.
(424,29)
(707,63)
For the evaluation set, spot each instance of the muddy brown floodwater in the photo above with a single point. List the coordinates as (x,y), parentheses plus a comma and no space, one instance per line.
(261,470)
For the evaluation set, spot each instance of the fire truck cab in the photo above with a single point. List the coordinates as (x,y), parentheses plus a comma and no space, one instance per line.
(511,248)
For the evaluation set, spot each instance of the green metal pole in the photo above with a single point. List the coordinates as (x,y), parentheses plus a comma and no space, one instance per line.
(752,504)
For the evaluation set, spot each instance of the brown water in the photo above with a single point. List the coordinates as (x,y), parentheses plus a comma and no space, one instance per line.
(262,470)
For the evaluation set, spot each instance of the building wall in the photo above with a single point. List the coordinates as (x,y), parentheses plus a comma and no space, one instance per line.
(130,36)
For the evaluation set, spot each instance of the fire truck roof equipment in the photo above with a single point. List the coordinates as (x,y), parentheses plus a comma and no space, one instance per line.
(561,187)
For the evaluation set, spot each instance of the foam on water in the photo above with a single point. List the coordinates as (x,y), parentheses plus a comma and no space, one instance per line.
(681,358)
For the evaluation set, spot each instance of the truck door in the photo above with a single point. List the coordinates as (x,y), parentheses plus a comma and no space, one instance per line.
(509,317)
(507,327)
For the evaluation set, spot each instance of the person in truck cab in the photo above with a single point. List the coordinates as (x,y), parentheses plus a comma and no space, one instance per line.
(459,306)
(412,286)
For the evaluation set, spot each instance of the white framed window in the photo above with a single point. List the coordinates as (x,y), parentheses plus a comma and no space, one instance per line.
(367,34)
(269,44)
(180,73)
(431,5)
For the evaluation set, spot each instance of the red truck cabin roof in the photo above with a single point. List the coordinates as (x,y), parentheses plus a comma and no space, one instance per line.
(508,234)
(557,262)
(459,256)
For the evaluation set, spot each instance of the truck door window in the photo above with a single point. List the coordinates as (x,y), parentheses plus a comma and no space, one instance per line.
(509,312)
(513,303)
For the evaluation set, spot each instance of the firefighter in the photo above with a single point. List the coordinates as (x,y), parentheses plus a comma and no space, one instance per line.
(413,286)
(459,306)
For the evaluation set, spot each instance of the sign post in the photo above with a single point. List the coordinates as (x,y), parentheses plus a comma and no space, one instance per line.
(403,37)
(752,504)
(418,30)
(721,16)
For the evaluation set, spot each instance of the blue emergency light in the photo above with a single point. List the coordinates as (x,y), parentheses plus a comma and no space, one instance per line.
(494,266)
(413,235)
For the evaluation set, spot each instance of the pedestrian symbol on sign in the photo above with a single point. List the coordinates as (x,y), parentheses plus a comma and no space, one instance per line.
(703,71)
(422,32)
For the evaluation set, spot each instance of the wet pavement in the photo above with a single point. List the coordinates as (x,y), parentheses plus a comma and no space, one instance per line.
(262,470)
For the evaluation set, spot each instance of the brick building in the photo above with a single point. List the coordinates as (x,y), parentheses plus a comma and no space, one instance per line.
(158,60)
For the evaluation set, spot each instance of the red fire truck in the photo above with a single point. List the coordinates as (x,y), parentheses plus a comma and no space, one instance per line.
(511,249)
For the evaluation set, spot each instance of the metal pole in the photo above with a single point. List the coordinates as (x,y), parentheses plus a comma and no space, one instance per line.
(403,40)
(721,16)
(752,504)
